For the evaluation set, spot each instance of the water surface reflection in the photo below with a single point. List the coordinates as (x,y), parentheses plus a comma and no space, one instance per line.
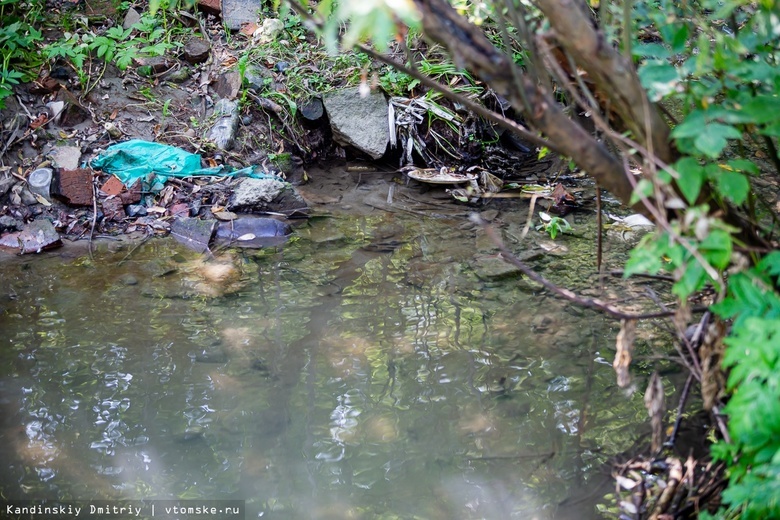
(364,370)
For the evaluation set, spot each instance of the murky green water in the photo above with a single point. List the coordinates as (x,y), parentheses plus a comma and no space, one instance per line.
(362,371)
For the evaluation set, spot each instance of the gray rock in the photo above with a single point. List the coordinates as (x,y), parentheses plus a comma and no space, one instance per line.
(135,210)
(38,236)
(179,76)
(266,195)
(6,183)
(8,223)
(65,157)
(268,31)
(131,18)
(228,85)
(193,232)
(490,267)
(258,77)
(223,133)
(312,109)
(128,279)
(28,199)
(237,13)
(360,122)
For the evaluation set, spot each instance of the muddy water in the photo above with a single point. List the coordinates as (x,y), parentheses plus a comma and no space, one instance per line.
(367,369)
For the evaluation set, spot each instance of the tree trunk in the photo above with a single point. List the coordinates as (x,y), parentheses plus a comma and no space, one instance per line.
(470,49)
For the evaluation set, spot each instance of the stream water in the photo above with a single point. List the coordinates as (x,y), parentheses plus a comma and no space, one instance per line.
(367,369)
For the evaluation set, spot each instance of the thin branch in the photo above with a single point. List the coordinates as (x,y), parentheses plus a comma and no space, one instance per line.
(590,303)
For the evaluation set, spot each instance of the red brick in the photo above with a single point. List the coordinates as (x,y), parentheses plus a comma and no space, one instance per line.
(113,186)
(74,187)
(133,195)
(210,6)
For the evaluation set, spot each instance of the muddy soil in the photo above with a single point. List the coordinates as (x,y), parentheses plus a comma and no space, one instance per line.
(171,100)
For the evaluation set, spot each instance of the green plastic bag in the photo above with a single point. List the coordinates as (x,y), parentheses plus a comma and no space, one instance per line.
(155,162)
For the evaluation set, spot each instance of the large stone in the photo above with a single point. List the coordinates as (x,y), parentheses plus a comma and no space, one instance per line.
(266,196)
(132,17)
(38,236)
(236,13)
(360,122)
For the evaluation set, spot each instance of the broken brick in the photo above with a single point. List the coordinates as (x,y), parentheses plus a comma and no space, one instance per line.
(113,186)
(113,209)
(132,195)
(74,187)
(210,6)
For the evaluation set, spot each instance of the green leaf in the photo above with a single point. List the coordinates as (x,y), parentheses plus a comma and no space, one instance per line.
(644,188)
(693,279)
(762,109)
(771,263)
(734,186)
(716,248)
(680,39)
(647,256)
(660,78)
(690,179)
(692,125)
(744,165)
(712,139)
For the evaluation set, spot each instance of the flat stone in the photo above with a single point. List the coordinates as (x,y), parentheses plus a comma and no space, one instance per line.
(193,232)
(66,157)
(74,114)
(74,186)
(37,236)
(490,267)
(228,85)
(196,50)
(266,195)
(132,17)
(360,122)
(236,13)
